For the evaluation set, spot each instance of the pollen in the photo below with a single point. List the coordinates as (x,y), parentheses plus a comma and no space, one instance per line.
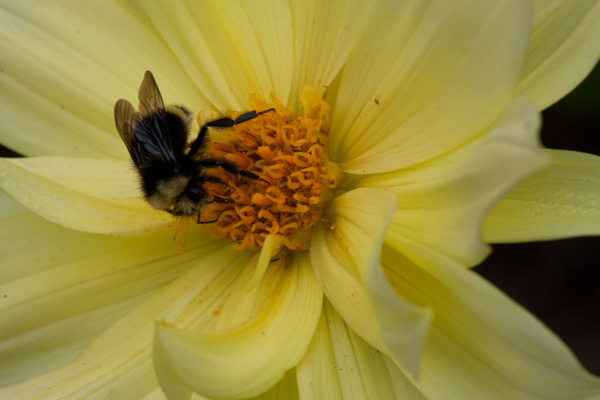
(288,152)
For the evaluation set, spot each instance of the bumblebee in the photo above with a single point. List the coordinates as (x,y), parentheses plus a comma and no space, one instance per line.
(171,176)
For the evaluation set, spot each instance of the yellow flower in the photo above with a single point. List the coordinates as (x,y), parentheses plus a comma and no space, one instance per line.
(434,119)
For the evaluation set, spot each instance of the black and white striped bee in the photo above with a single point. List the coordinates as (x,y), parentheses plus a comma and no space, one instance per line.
(171,176)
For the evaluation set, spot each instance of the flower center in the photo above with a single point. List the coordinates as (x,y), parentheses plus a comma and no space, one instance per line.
(296,181)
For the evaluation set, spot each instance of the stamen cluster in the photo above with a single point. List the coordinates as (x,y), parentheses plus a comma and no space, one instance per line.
(288,152)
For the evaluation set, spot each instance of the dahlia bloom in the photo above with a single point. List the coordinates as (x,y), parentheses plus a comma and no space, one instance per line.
(434,122)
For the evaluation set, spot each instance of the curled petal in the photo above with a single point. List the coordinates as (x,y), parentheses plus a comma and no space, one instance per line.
(443,202)
(339,364)
(89,200)
(563,50)
(120,361)
(346,262)
(244,360)
(482,344)
(558,201)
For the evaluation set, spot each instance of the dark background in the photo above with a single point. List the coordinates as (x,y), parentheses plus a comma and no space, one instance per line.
(558,281)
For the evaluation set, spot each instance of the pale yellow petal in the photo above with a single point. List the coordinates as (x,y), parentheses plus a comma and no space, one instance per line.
(135,7)
(157,394)
(230,49)
(317,372)
(333,88)
(558,201)
(340,365)
(271,246)
(443,202)
(245,360)
(51,346)
(286,389)
(50,273)
(346,262)
(564,49)
(426,77)
(344,287)
(69,207)
(171,382)
(120,361)
(483,345)
(103,179)
(61,288)
(405,388)
(23,233)
(9,207)
(64,65)
(324,33)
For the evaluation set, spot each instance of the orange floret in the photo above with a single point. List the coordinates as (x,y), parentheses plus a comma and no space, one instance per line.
(287,152)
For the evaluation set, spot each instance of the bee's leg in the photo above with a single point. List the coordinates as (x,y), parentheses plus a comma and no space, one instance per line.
(205,222)
(224,122)
(250,115)
(221,200)
(199,142)
(212,179)
(199,193)
(229,167)
(214,200)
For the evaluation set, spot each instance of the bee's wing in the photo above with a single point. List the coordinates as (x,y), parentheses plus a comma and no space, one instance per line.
(150,99)
(126,119)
